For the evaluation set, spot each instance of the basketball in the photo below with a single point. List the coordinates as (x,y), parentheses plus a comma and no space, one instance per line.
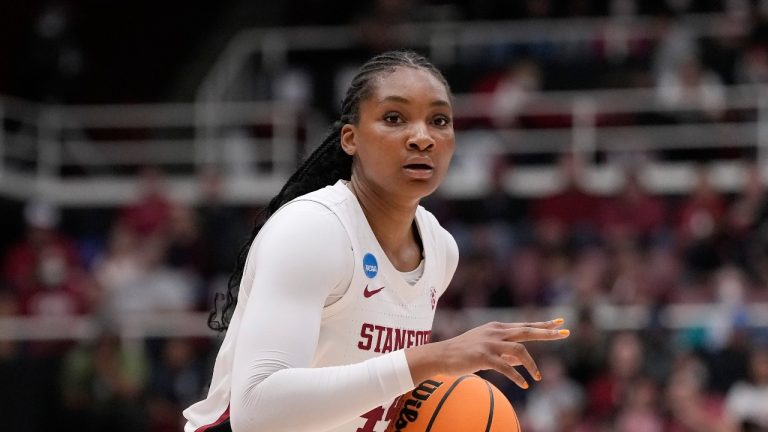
(444,403)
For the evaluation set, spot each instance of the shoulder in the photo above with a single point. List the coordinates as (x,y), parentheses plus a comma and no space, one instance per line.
(300,218)
(302,243)
(329,196)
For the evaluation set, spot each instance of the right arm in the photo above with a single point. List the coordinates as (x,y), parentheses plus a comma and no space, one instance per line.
(302,255)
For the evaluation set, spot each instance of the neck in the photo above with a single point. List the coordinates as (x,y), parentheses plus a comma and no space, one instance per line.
(391,219)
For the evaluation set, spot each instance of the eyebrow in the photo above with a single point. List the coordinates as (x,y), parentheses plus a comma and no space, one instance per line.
(400,99)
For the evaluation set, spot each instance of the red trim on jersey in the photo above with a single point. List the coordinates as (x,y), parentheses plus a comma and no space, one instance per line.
(219,421)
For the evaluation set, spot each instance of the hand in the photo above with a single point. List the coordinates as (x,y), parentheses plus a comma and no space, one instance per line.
(494,345)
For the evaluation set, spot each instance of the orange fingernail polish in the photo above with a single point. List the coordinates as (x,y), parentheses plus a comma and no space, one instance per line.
(525,385)
(558,321)
(565,332)
(538,376)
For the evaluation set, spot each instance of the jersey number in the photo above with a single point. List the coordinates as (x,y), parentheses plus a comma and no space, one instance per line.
(376,415)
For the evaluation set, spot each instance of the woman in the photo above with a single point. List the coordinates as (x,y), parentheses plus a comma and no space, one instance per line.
(338,290)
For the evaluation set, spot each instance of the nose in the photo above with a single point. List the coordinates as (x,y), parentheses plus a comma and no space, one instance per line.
(420,139)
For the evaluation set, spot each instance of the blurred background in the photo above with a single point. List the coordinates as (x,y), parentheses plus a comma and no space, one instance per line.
(610,168)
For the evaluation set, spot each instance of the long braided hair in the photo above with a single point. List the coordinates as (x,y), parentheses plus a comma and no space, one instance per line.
(324,166)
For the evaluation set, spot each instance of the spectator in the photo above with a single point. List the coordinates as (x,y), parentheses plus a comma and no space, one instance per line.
(151,213)
(174,384)
(641,413)
(699,223)
(186,247)
(155,287)
(44,269)
(690,407)
(746,401)
(554,400)
(102,386)
(221,226)
(632,215)
(608,392)
(692,92)
(503,96)
(119,266)
(569,213)
(752,65)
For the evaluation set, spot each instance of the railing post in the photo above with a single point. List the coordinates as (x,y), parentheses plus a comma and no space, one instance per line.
(284,139)
(762,127)
(48,147)
(584,139)
(2,139)
(273,51)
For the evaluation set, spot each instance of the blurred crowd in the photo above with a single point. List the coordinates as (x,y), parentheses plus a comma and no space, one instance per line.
(572,248)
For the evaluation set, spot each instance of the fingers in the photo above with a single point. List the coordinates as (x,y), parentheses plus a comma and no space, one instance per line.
(516,354)
(551,324)
(525,334)
(509,371)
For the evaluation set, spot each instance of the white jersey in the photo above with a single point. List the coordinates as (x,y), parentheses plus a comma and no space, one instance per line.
(295,362)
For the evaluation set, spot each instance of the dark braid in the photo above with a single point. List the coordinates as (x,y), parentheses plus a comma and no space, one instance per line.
(325,165)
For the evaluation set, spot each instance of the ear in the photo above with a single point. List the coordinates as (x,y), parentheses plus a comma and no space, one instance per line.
(347,138)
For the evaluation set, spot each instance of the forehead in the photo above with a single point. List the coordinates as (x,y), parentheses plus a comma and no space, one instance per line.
(409,83)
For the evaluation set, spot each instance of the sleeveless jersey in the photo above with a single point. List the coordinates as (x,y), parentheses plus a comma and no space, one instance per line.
(379,313)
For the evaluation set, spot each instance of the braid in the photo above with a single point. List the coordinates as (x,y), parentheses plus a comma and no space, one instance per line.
(324,166)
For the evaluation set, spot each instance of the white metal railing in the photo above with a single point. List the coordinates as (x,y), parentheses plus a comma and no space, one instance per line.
(38,142)
(194,324)
(444,41)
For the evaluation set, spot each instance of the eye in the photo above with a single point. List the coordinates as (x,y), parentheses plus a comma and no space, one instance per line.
(393,117)
(442,120)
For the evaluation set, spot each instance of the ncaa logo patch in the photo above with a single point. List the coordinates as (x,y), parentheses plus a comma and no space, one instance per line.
(370,265)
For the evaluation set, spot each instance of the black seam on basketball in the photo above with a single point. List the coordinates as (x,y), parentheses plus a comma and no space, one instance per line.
(490,411)
(442,401)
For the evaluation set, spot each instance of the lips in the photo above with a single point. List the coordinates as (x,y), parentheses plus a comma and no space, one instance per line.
(419,166)
(418,170)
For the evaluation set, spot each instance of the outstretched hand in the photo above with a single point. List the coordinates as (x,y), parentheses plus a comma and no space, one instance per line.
(494,345)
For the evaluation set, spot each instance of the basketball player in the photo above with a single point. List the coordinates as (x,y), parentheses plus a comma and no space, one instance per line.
(337,291)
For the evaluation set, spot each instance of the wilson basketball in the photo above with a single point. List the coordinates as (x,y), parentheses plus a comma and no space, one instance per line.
(467,403)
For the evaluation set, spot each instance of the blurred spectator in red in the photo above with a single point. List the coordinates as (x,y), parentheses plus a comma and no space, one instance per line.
(632,214)
(378,24)
(503,96)
(752,66)
(102,386)
(743,232)
(640,412)
(570,211)
(628,276)
(524,283)
(609,391)
(44,269)
(186,248)
(747,401)
(151,213)
(690,407)
(699,221)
